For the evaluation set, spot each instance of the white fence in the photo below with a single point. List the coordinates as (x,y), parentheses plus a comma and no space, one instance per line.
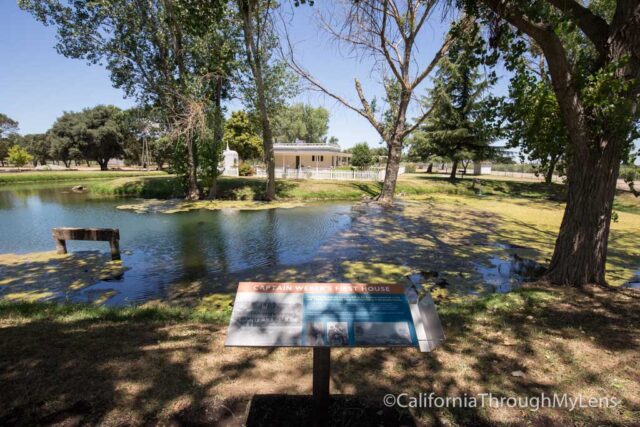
(328,174)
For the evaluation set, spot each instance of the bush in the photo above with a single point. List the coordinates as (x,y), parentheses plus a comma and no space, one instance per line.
(410,168)
(246,170)
(18,156)
(244,193)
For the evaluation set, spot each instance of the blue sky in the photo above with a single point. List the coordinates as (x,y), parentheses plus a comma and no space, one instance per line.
(37,84)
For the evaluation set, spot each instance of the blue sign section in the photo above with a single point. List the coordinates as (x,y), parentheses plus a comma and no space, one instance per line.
(357,319)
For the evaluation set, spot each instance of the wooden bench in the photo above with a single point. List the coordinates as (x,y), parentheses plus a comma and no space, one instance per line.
(111,235)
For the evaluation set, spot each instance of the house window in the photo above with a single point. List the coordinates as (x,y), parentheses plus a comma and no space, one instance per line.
(313,158)
(322,158)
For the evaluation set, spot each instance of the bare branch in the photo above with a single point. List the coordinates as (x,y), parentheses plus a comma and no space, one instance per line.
(365,112)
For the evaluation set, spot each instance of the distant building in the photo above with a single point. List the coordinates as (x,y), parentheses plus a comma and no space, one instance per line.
(300,155)
(482,168)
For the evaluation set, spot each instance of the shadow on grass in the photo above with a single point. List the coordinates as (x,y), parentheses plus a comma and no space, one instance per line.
(73,370)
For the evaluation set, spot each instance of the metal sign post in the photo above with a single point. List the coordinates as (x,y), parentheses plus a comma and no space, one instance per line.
(325,315)
(321,377)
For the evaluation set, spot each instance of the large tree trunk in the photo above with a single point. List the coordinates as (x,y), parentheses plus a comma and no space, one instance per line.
(548,177)
(580,254)
(103,164)
(454,169)
(217,135)
(249,9)
(193,192)
(391,172)
(430,168)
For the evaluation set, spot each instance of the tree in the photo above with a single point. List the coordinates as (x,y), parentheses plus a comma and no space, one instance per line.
(464,120)
(64,138)
(301,122)
(593,56)
(38,146)
(170,54)
(361,157)
(102,131)
(18,156)
(161,150)
(240,136)
(389,32)
(8,129)
(94,134)
(7,126)
(534,122)
(259,41)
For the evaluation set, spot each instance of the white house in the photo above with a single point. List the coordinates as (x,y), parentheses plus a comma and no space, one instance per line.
(299,155)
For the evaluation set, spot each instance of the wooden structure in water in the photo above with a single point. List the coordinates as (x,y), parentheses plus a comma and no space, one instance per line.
(111,235)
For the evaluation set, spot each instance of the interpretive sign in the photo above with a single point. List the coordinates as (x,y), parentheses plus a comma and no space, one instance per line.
(325,315)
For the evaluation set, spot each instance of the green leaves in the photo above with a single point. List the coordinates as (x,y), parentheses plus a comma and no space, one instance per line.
(301,122)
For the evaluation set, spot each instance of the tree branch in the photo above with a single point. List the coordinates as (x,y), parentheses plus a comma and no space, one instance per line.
(559,67)
(592,25)
(365,112)
(419,121)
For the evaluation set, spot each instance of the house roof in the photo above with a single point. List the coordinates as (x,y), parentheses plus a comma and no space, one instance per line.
(304,147)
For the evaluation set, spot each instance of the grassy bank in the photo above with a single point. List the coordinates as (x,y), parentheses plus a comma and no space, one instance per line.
(411,186)
(408,185)
(20,312)
(44,176)
(84,365)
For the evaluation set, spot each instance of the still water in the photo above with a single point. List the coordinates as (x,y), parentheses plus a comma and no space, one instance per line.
(165,251)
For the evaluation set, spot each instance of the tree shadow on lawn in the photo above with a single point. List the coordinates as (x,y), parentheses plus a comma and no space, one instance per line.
(47,275)
(107,372)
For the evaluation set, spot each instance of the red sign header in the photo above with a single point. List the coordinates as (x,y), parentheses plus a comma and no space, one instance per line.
(320,288)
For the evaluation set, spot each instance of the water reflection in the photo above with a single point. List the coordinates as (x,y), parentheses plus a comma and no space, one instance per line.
(170,255)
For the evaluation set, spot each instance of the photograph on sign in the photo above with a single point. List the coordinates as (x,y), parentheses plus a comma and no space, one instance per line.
(321,315)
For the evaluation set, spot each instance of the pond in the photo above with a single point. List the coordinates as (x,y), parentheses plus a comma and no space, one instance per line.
(180,257)
(166,252)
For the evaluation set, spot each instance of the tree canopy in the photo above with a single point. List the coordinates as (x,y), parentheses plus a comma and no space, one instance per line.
(301,122)
(239,135)
(464,118)
(362,157)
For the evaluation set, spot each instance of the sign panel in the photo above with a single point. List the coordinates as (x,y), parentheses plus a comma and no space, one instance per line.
(322,315)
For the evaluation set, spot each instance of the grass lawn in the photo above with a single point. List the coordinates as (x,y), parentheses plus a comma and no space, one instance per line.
(74,365)
(44,176)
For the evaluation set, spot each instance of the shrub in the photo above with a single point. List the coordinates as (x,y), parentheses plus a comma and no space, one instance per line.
(243,193)
(410,168)
(246,170)
(18,156)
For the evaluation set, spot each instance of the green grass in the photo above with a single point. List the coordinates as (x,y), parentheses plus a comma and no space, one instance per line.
(204,313)
(18,177)
(530,299)
(57,312)
(416,185)
(408,185)
(153,187)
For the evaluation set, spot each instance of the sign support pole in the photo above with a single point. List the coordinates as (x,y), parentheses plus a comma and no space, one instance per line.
(321,370)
